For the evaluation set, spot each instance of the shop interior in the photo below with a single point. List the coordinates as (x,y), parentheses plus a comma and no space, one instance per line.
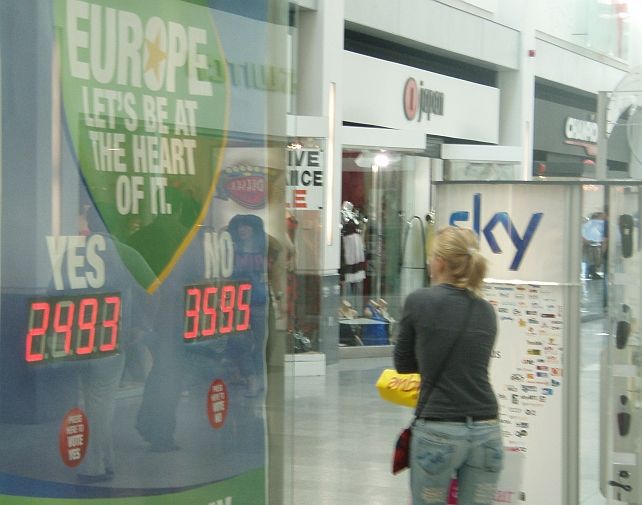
(384,242)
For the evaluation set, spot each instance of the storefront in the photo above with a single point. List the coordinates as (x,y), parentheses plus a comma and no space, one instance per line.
(565,141)
(400,123)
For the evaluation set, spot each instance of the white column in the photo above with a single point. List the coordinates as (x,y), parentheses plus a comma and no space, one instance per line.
(320,46)
(517,88)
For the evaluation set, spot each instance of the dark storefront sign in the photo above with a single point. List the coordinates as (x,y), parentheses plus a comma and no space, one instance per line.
(565,142)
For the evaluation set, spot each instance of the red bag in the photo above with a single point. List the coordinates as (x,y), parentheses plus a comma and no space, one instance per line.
(452,493)
(401,457)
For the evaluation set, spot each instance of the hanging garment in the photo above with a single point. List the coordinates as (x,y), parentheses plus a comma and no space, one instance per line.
(354,258)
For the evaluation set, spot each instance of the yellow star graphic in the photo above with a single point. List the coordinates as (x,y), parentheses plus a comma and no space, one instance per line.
(155,55)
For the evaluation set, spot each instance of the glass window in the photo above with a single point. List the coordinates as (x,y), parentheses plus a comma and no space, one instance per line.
(383,241)
(599,25)
(139,238)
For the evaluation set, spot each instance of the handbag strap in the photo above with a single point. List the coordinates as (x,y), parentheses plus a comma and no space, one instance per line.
(442,366)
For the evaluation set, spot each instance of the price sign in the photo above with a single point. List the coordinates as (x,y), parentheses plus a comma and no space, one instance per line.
(213,310)
(72,327)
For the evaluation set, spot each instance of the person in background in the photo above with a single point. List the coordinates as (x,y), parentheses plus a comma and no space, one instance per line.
(447,333)
(252,258)
(605,258)
(100,378)
(593,244)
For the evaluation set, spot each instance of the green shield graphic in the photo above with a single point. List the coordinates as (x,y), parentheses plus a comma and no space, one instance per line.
(145,98)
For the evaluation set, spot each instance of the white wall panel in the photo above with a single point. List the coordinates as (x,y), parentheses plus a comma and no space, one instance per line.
(487,5)
(374,90)
(557,64)
(440,26)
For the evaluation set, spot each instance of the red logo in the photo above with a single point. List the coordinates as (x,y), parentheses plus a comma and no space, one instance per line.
(410,99)
(249,191)
(420,102)
(73,437)
(246,185)
(217,403)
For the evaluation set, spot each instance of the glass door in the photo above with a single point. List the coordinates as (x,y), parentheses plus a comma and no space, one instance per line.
(384,235)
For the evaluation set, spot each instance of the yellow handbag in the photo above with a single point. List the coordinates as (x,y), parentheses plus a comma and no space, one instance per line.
(399,388)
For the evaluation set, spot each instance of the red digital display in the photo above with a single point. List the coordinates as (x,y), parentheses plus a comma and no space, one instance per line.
(213,310)
(72,327)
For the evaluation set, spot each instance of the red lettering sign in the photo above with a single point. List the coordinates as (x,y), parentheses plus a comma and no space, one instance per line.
(217,403)
(73,437)
(249,191)
(300,198)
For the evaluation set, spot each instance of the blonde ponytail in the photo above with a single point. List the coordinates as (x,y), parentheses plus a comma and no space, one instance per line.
(465,265)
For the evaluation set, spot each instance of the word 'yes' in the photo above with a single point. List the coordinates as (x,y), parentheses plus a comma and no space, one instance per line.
(79,257)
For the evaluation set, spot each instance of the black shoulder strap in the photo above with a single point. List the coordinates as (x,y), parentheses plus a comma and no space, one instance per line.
(442,366)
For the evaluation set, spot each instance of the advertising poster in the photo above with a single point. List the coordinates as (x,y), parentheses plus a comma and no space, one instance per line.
(527,375)
(520,226)
(523,235)
(134,251)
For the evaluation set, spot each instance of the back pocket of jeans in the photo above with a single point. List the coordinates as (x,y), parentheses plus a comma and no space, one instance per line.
(434,456)
(493,455)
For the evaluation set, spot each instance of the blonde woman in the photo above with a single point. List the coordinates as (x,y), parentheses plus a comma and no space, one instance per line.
(447,334)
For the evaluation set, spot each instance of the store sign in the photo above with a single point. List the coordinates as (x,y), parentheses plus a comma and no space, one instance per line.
(136,113)
(414,100)
(305,179)
(582,133)
(518,226)
(420,102)
(520,241)
(578,129)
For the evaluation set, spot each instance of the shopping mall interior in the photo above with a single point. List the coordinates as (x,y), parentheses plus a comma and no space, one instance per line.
(212,213)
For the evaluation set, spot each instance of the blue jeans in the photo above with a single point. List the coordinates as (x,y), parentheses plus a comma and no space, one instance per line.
(470,451)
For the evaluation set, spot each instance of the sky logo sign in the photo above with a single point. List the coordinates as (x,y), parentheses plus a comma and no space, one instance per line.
(520,241)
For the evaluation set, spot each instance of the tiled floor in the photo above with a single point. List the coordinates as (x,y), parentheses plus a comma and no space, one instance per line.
(344,433)
(344,437)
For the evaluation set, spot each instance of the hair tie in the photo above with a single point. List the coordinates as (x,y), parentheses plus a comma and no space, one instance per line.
(471,251)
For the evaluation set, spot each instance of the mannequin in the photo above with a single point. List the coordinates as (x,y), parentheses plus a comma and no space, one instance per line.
(353,254)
